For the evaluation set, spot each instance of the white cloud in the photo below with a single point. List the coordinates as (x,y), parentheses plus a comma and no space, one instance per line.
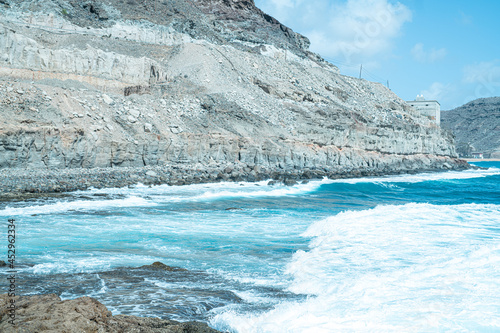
(351,31)
(286,3)
(447,94)
(478,81)
(483,72)
(423,56)
(437,91)
(283,10)
(465,19)
(483,79)
(360,29)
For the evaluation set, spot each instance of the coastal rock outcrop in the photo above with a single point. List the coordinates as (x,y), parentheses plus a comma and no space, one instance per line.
(42,313)
(154,83)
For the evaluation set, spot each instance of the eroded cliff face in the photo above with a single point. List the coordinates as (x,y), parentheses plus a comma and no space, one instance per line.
(90,84)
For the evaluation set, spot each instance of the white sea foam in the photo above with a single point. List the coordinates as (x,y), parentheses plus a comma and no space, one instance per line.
(411,268)
(213,191)
(267,192)
(163,284)
(167,190)
(424,177)
(253,297)
(216,191)
(53,264)
(77,205)
(146,196)
(74,266)
(274,280)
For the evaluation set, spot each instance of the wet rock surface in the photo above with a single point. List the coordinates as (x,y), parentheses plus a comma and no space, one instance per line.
(48,312)
(164,292)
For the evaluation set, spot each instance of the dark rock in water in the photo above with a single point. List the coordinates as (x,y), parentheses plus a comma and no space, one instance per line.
(2,263)
(233,208)
(305,182)
(162,266)
(195,292)
(271,183)
(44,313)
(290,182)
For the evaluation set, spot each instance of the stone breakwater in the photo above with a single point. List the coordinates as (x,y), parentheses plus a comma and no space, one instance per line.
(24,182)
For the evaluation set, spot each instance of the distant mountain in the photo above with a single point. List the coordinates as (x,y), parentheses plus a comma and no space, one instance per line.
(476,126)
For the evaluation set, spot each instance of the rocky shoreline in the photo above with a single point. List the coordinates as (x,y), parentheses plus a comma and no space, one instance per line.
(48,312)
(84,314)
(23,183)
(236,96)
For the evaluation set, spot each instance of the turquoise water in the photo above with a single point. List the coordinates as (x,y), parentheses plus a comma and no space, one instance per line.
(413,253)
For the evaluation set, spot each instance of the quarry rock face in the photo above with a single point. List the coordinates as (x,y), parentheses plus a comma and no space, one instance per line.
(148,83)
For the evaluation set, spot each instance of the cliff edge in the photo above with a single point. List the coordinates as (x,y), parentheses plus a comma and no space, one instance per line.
(201,83)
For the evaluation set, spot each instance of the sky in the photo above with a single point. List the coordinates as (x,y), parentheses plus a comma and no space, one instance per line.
(448,51)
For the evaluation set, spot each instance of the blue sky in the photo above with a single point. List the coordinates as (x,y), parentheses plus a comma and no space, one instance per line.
(446,50)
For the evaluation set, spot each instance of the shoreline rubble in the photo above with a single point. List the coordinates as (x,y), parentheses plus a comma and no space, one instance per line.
(25,183)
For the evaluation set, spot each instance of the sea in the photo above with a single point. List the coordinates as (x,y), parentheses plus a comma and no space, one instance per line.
(405,253)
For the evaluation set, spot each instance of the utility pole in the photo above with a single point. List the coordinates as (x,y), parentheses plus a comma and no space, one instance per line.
(360,70)
(388,85)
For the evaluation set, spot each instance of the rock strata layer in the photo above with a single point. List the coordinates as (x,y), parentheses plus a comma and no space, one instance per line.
(197,85)
(48,313)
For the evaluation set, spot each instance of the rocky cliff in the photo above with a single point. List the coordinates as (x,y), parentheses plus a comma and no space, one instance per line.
(476,126)
(127,83)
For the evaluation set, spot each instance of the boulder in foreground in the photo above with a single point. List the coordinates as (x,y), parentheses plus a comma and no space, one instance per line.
(42,313)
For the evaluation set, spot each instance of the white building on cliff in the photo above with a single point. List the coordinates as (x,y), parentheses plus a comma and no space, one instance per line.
(431,109)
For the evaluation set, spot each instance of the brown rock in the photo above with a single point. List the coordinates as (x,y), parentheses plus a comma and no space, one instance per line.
(160,265)
(47,313)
